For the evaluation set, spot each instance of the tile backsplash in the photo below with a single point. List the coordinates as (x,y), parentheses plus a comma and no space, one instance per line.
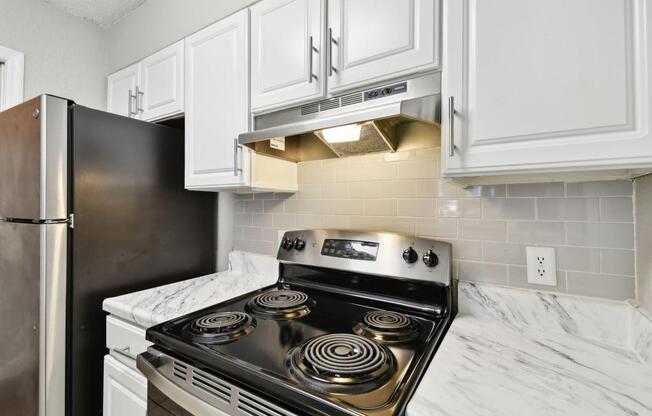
(590,224)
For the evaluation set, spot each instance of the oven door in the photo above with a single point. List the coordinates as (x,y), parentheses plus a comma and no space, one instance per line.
(168,396)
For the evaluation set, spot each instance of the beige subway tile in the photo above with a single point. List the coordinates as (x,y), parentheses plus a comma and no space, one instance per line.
(536,232)
(264,247)
(442,188)
(347,174)
(482,191)
(334,191)
(237,232)
(276,206)
(432,153)
(378,207)
(418,169)
(436,227)
(335,221)
(270,234)
(303,173)
(284,220)
(605,235)
(309,191)
(467,249)
(616,209)
(244,196)
(578,258)
(399,189)
(364,159)
(254,206)
(618,262)
(569,209)
(285,195)
(398,156)
(308,221)
(364,190)
(398,225)
(364,223)
(535,189)
(243,219)
(601,188)
(459,208)
(517,276)
(378,171)
(252,233)
(242,245)
(496,252)
(239,206)
(323,175)
(471,271)
(264,195)
(601,285)
(336,162)
(508,209)
(416,207)
(263,220)
(345,207)
(482,230)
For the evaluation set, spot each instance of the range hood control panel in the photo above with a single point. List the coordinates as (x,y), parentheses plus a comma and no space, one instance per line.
(385,91)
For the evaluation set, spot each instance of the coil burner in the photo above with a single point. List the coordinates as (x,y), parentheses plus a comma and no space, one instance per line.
(338,363)
(219,328)
(387,326)
(280,304)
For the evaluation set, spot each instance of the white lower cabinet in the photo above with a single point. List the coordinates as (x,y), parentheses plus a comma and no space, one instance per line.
(125,390)
(543,87)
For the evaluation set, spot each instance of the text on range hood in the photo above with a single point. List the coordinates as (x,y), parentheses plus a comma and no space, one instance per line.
(370,117)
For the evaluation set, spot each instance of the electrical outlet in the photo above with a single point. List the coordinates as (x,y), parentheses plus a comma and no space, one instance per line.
(541,266)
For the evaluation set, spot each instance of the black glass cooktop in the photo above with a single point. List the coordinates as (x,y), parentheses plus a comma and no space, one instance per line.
(321,351)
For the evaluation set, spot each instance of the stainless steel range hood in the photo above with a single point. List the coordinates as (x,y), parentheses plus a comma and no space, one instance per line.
(356,123)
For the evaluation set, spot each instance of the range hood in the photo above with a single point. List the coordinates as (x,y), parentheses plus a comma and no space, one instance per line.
(363,122)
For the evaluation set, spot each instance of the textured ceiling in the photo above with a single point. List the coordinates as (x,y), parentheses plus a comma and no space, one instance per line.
(103,12)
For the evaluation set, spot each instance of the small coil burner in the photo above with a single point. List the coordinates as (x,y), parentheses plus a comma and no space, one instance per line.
(342,363)
(280,304)
(218,328)
(387,326)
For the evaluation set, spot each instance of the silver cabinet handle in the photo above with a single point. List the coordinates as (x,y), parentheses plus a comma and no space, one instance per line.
(236,159)
(311,50)
(139,101)
(130,106)
(332,41)
(125,352)
(451,126)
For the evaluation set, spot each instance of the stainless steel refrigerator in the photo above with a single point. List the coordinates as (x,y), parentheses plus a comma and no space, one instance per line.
(92,205)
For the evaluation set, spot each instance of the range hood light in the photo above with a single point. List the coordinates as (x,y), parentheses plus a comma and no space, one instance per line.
(341,134)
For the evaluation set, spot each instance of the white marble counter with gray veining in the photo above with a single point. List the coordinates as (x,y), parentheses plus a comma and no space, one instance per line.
(523,353)
(247,272)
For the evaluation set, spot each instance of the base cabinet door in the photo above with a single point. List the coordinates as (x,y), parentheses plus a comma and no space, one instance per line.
(121,91)
(375,40)
(287,53)
(546,86)
(217,108)
(161,92)
(125,390)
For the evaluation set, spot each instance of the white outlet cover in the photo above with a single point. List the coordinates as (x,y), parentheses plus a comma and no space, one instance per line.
(541,266)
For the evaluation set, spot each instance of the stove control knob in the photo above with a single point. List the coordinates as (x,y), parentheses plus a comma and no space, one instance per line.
(287,244)
(410,256)
(299,244)
(430,258)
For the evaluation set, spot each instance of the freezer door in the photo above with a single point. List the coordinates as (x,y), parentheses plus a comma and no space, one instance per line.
(34,160)
(33,262)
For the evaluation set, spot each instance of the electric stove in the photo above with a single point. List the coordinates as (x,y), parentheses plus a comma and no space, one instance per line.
(348,329)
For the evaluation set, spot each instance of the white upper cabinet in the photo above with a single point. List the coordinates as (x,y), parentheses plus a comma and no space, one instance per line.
(546,86)
(375,40)
(121,91)
(287,52)
(217,105)
(161,91)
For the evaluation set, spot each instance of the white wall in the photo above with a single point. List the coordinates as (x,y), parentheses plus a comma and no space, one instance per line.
(158,23)
(64,55)
(643,211)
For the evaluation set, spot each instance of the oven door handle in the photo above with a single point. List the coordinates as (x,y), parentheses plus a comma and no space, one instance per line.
(147,364)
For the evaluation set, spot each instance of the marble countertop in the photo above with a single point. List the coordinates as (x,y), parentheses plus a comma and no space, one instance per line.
(509,352)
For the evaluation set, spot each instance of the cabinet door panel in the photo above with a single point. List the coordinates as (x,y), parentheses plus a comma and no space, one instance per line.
(125,390)
(285,68)
(538,89)
(375,40)
(162,83)
(217,105)
(121,87)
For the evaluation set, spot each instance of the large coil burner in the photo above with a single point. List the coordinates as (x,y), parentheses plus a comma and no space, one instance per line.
(219,328)
(342,363)
(387,326)
(280,304)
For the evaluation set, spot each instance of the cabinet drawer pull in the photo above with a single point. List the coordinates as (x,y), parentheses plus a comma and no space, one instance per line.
(125,352)
(236,159)
(139,101)
(311,50)
(332,41)
(130,105)
(451,126)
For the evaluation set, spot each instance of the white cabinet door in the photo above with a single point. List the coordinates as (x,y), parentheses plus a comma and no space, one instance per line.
(125,390)
(217,108)
(286,69)
(547,85)
(161,87)
(121,91)
(375,40)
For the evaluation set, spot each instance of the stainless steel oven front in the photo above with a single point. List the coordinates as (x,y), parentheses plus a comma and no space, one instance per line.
(176,388)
